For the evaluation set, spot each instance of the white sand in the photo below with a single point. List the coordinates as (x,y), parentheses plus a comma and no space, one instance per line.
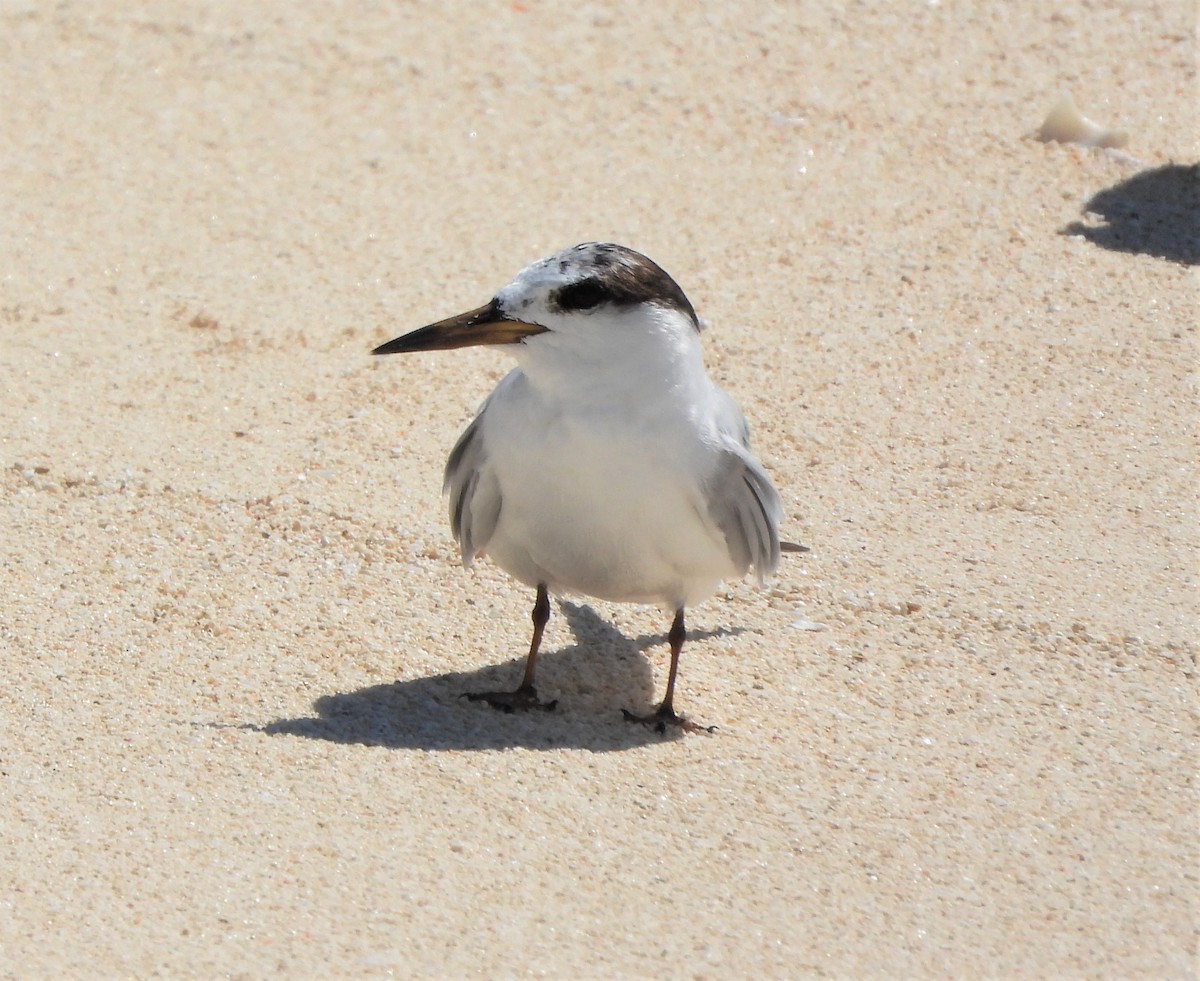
(235,627)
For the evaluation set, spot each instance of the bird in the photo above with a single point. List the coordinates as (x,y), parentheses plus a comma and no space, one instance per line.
(606,463)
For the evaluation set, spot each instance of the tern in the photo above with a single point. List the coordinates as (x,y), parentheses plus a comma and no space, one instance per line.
(607,462)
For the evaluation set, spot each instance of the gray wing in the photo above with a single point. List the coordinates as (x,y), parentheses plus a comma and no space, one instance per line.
(474,492)
(746,507)
(741,498)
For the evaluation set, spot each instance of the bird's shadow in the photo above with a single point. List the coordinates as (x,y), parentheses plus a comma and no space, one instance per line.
(1155,212)
(593,679)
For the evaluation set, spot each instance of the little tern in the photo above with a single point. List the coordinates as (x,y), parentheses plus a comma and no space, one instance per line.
(607,462)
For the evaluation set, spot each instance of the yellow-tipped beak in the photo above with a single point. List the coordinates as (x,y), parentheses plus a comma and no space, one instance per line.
(487,325)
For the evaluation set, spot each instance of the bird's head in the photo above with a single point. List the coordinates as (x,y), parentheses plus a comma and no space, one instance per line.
(578,302)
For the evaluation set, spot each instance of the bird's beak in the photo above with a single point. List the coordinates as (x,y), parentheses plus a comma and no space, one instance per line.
(487,325)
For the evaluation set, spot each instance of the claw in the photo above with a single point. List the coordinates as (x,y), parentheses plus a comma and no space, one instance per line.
(521,700)
(665,716)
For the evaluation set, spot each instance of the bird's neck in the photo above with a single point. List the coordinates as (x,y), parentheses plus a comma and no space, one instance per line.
(641,371)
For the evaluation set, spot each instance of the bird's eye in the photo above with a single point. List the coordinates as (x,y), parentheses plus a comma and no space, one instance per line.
(583,295)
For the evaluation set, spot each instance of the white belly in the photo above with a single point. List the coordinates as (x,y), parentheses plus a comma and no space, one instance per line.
(607,506)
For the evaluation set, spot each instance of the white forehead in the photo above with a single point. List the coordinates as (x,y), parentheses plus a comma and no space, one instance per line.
(565,267)
(627,277)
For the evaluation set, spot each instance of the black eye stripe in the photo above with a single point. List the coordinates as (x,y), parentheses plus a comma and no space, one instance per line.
(615,277)
(584,295)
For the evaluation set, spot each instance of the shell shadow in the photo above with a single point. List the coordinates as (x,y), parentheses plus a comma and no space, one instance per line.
(1155,212)
(593,678)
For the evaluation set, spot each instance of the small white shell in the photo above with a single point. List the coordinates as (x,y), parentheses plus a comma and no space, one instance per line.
(1065,124)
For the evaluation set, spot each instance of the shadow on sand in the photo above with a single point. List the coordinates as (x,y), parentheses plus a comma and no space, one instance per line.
(1155,212)
(594,678)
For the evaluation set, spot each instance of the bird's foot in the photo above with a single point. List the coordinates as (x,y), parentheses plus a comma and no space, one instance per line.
(665,716)
(521,700)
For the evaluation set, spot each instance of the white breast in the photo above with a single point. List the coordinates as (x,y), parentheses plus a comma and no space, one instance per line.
(605,502)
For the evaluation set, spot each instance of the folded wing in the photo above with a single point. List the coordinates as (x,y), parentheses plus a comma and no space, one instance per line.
(741,498)
(474,492)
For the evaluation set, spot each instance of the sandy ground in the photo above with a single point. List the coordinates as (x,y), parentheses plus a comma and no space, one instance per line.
(958,738)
